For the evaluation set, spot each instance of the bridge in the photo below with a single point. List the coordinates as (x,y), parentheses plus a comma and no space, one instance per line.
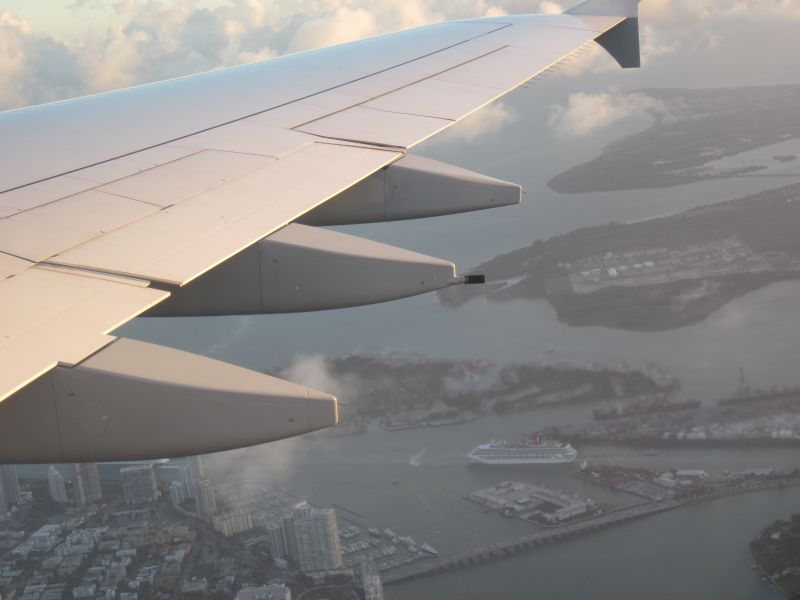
(541,538)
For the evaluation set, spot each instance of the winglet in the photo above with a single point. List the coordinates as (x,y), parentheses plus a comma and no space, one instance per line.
(621,41)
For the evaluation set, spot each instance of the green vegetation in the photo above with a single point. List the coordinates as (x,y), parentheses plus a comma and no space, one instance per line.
(767,222)
(777,552)
(692,127)
(412,389)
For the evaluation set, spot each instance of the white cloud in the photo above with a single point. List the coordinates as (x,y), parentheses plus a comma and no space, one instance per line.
(13,32)
(486,121)
(585,113)
(344,25)
(157,39)
(678,26)
(315,372)
(672,12)
(548,8)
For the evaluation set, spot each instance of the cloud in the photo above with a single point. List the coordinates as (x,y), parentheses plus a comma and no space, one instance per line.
(275,461)
(585,113)
(344,25)
(682,12)
(158,39)
(549,8)
(267,463)
(315,372)
(148,40)
(33,68)
(486,121)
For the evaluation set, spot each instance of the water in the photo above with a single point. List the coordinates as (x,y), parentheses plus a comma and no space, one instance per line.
(693,552)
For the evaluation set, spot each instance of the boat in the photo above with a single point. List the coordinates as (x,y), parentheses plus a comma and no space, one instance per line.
(426,547)
(530,450)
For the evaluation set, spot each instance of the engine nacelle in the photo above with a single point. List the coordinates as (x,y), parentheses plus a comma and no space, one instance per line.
(134,400)
(411,188)
(303,268)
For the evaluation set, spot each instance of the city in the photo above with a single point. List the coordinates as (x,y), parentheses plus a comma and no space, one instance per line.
(653,266)
(156,531)
(160,532)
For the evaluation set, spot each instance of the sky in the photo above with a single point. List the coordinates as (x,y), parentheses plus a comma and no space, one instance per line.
(52,50)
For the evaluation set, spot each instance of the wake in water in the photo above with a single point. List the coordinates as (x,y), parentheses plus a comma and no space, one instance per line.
(416,459)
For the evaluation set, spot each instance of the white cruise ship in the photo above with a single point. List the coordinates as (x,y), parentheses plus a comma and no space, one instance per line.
(530,451)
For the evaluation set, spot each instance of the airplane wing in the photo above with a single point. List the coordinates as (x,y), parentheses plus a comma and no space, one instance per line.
(202,195)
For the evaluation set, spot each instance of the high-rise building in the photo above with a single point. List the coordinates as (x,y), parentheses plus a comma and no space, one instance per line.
(301,510)
(172,473)
(79,491)
(139,484)
(9,483)
(371,581)
(204,497)
(289,539)
(196,468)
(203,491)
(87,484)
(317,539)
(178,493)
(277,541)
(57,485)
(195,472)
(94,490)
(232,523)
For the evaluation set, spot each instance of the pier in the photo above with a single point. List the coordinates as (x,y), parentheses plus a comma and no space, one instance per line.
(524,543)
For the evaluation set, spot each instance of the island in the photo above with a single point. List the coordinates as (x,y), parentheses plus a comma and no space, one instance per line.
(694,135)
(653,275)
(763,420)
(406,390)
(776,552)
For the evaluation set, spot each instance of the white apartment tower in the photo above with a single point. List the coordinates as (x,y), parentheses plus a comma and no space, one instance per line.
(317,538)
(87,484)
(204,497)
(94,491)
(79,491)
(57,485)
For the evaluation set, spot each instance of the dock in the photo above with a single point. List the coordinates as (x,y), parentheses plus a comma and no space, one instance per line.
(528,542)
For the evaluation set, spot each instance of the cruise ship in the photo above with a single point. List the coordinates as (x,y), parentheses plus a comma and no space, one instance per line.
(532,450)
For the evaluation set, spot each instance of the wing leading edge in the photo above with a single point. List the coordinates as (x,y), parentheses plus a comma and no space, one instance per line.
(178,190)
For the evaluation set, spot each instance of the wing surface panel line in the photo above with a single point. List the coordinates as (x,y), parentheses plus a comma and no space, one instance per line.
(501,92)
(243,219)
(98,185)
(260,112)
(410,114)
(402,87)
